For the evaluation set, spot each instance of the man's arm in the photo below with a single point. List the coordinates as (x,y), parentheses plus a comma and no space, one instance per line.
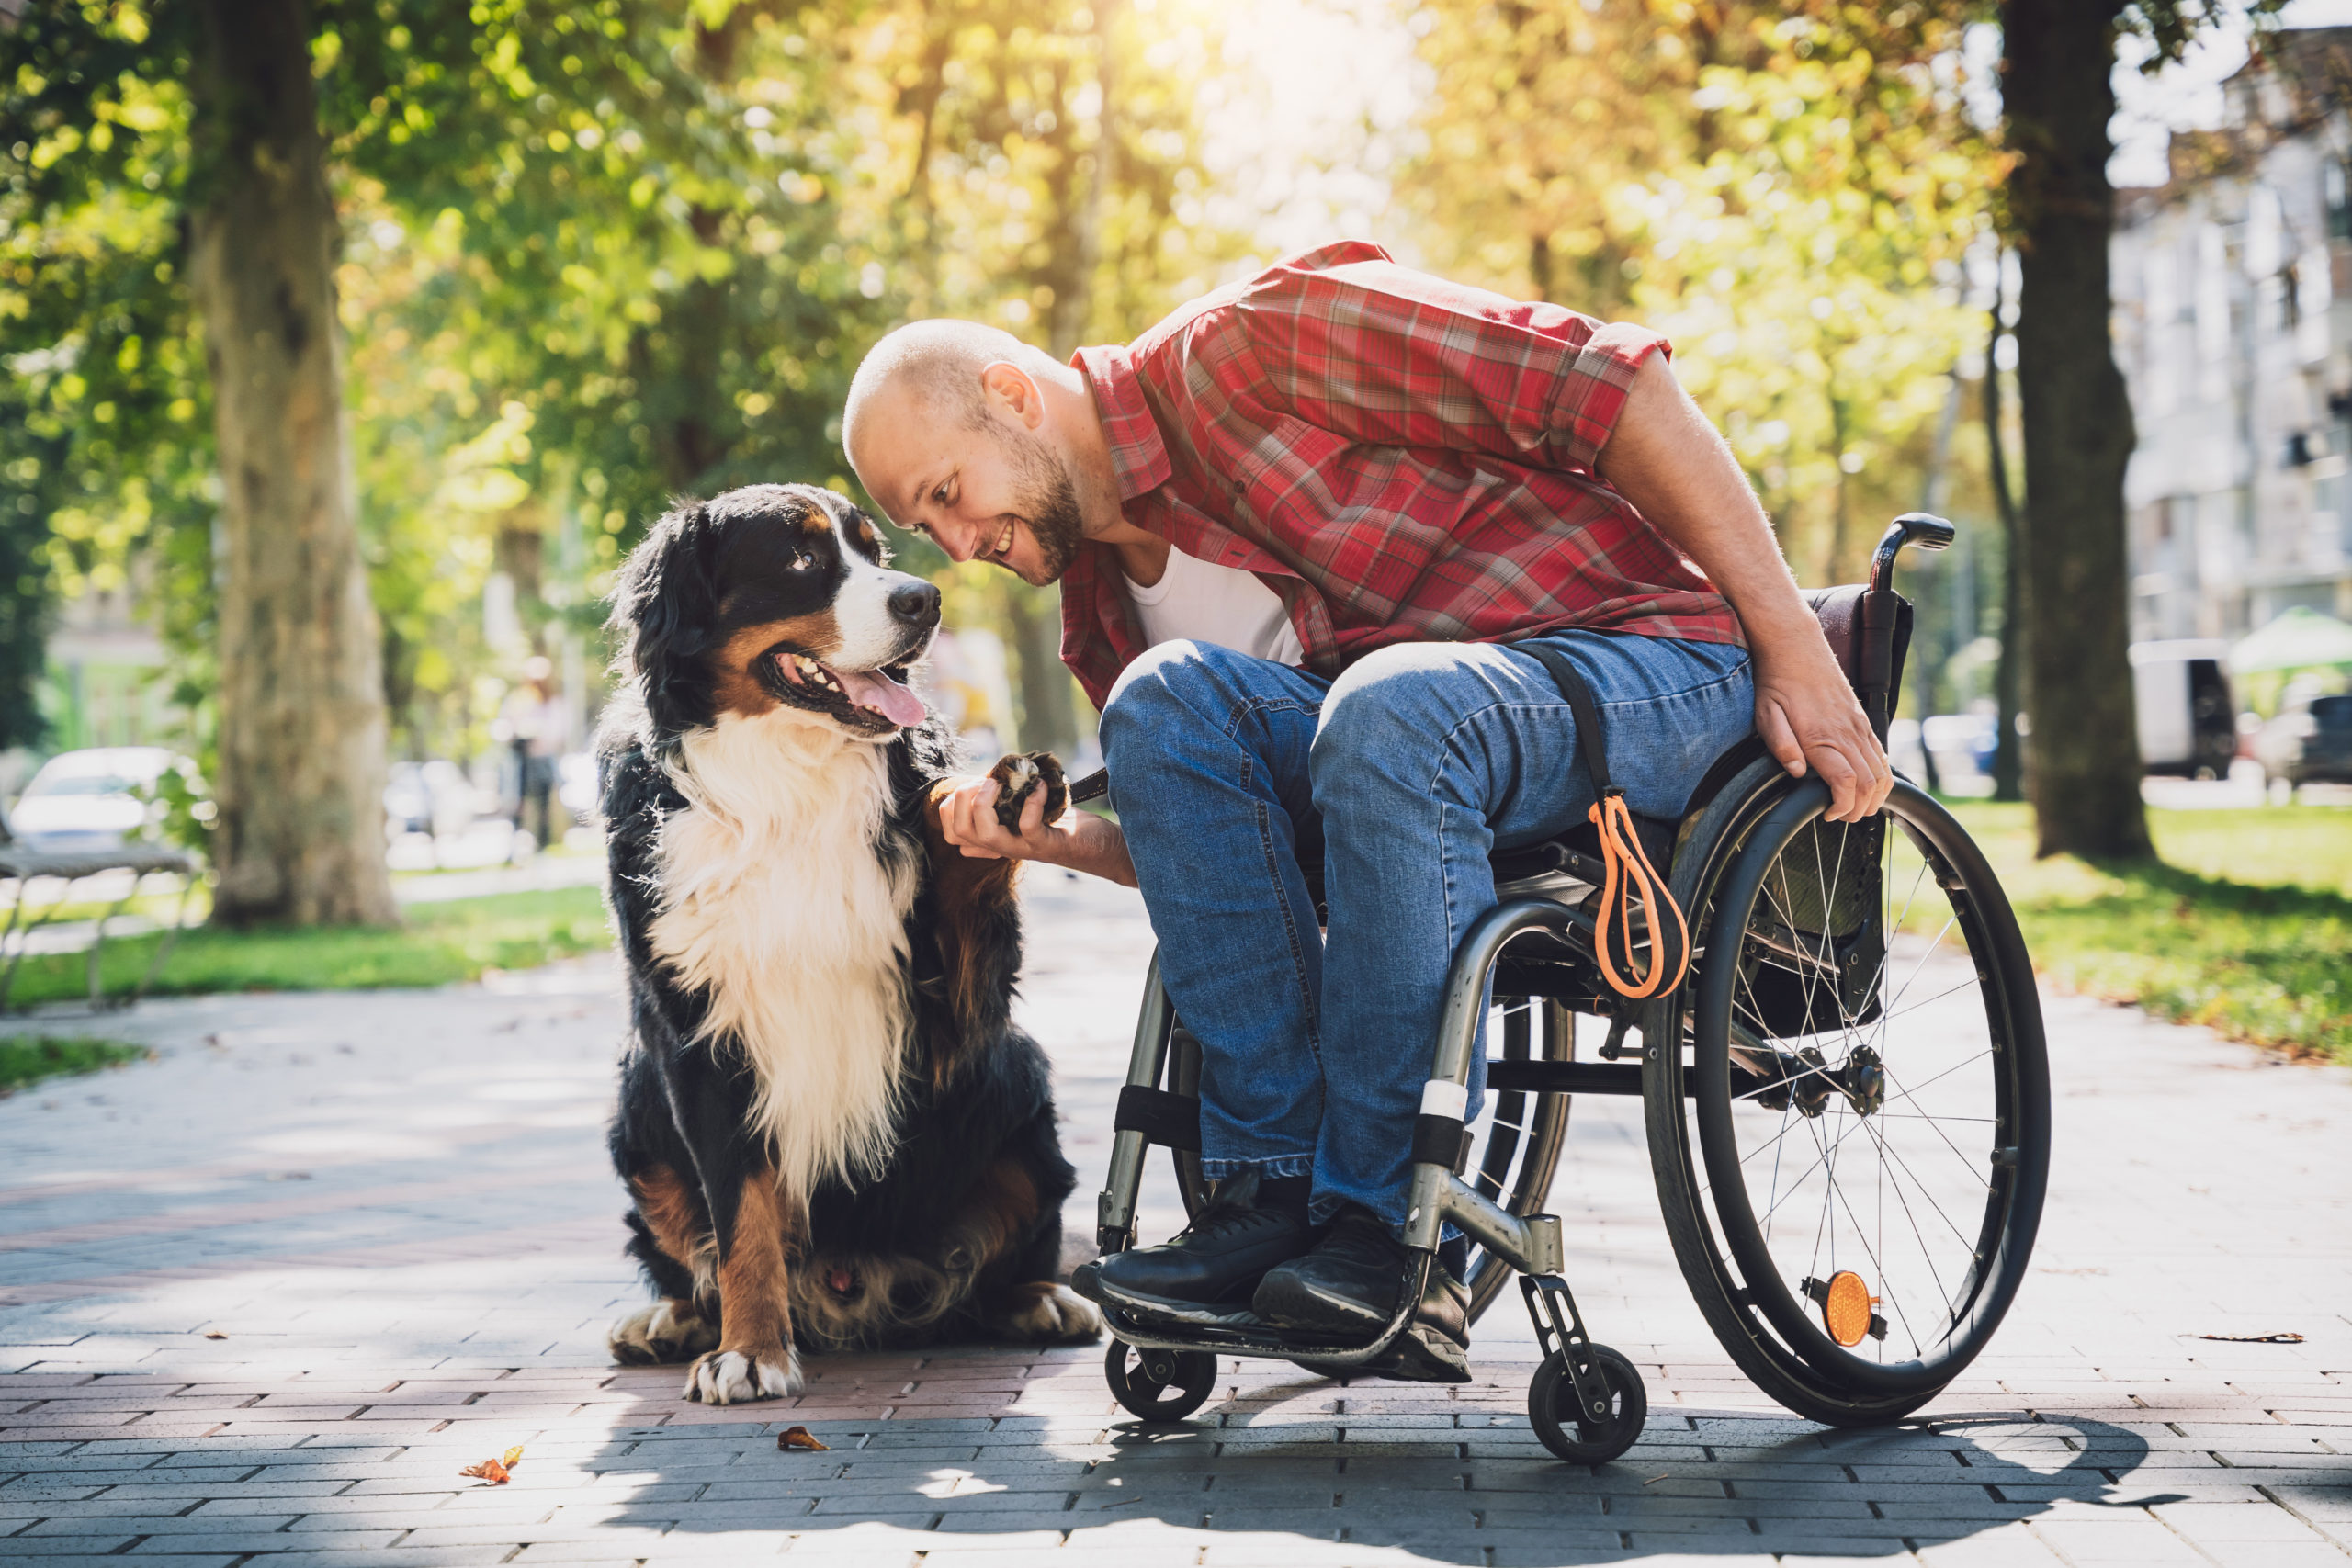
(1665,457)
(1081,841)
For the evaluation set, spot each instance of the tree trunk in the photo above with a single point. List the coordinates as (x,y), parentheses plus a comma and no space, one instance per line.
(2008,746)
(301,773)
(2057,101)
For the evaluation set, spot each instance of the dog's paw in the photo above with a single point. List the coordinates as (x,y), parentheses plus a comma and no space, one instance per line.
(667,1332)
(1018,775)
(738,1377)
(1048,1312)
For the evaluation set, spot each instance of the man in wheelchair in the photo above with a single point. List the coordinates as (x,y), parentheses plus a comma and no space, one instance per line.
(1307,530)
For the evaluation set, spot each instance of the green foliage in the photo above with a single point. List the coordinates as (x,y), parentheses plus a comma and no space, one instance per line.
(596,256)
(27,1059)
(1787,191)
(188,815)
(440,944)
(2253,941)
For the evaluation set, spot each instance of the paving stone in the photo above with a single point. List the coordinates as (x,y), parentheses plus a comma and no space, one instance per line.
(386,1326)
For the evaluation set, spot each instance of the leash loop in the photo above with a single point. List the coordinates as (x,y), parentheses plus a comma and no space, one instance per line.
(1627,875)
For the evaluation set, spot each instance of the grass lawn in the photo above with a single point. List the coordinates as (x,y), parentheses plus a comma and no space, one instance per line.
(441,942)
(26,1059)
(2247,927)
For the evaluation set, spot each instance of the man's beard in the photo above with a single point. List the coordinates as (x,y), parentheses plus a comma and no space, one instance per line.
(1047,500)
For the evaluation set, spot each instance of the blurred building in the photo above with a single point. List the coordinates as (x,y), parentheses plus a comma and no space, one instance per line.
(2234,329)
(107,683)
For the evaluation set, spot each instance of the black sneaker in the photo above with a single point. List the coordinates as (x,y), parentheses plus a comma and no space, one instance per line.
(1435,1347)
(1205,1275)
(1346,1288)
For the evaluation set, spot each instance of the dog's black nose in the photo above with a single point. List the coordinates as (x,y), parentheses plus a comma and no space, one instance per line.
(916,604)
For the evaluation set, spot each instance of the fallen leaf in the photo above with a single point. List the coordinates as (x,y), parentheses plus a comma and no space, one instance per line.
(513,1457)
(489,1470)
(216,1334)
(799,1438)
(2255,1338)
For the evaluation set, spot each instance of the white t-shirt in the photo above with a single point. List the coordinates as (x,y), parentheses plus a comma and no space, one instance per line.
(1199,602)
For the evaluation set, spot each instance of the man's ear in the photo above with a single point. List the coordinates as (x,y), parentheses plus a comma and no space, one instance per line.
(1008,387)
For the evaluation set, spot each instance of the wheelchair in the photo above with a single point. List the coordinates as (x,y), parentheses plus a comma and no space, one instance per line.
(1852,1205)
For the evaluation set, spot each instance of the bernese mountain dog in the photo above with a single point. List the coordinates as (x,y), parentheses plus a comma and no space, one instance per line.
(835,1136)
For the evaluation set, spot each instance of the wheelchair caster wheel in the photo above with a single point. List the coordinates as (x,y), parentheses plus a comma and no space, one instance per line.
(1160,1385)
(1571,1434)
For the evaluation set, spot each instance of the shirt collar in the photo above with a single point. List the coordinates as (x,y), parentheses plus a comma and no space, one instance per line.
(1138,456)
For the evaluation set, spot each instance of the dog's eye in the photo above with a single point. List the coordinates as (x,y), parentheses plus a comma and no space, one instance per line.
(803,561)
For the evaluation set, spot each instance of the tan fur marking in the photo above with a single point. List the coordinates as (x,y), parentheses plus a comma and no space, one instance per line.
(754,1295)
(1004,1203)
(735,688)
(668,1207)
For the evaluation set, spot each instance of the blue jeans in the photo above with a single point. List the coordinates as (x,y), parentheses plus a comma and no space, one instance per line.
(1400,777)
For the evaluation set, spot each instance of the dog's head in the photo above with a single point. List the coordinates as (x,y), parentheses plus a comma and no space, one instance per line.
(772,598)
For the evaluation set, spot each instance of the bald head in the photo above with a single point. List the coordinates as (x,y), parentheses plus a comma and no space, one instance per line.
(930,371)
(990,447)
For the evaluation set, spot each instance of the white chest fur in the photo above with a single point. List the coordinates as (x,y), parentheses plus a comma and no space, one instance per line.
(784,899)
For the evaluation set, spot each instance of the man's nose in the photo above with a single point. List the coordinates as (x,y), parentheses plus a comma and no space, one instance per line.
(916,603)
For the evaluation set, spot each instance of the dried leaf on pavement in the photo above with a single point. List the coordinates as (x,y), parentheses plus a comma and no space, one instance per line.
(799,1438)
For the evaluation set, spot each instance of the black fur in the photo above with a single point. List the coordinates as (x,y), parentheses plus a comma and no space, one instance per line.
(977,1090)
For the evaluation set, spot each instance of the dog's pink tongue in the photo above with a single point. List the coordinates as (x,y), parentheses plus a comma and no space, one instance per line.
(872,689)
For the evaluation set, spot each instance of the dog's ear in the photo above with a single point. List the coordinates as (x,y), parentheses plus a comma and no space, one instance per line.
(665,614)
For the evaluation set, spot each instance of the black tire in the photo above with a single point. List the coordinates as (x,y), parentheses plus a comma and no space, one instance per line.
(1160,1385)
(1743,1025)
(1516,1149)
(1563,1427)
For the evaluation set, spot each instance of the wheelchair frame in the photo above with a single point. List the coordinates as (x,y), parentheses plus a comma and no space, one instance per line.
(1531,1245)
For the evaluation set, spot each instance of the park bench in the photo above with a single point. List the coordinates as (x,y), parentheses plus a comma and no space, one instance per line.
(22,867)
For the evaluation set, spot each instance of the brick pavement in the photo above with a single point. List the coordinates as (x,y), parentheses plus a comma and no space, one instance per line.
(262,1299)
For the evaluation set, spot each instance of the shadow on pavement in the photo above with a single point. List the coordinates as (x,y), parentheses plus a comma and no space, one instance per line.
(1467,1486)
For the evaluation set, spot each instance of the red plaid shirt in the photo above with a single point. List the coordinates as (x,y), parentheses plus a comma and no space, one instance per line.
(1400,458)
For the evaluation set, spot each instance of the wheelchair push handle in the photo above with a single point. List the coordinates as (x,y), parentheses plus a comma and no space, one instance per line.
(1923,529)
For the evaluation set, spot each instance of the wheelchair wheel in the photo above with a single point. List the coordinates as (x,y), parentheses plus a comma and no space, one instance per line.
(1517,1141)
(1853,1185)
(1563,1427)
(1160,1385)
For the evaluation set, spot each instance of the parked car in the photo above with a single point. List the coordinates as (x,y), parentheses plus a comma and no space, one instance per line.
(2180,696)
(2309,741)
(92,800)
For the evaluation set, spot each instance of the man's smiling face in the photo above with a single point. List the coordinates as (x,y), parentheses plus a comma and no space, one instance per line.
(994,491)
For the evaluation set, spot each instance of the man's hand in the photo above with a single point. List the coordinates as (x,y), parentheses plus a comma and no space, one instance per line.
(1808,715)
(1080,840)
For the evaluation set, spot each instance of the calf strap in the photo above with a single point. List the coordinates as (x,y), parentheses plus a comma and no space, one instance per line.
(1630,884)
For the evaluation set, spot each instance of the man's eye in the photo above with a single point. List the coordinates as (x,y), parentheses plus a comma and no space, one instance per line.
(940,495)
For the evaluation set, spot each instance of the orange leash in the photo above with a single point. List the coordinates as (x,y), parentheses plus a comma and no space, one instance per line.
(1627,875)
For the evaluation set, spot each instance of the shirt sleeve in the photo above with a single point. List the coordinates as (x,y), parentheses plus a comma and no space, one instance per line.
(1346,340)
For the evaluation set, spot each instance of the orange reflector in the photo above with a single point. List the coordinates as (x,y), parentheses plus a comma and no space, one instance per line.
(1845,1308)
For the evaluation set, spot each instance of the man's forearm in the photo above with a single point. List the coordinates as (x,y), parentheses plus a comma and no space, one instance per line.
(1094,845)
(1669,459)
